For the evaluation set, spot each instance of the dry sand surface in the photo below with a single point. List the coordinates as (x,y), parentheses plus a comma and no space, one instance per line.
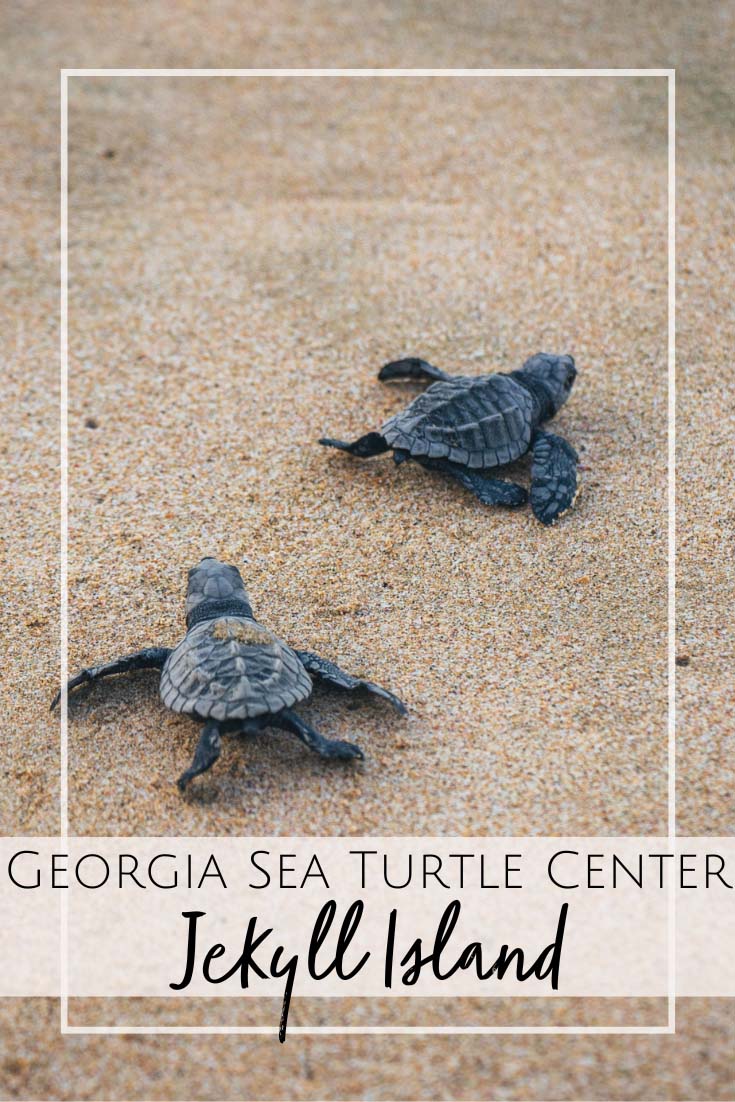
(244,254)
(240,268)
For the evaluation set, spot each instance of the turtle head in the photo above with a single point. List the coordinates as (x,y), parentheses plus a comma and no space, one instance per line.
(215,589)
(555,373)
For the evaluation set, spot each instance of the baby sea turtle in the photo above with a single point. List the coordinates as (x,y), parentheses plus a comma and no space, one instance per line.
(465,426)
(233,674)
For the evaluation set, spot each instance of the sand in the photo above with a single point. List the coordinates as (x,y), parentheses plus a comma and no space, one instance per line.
(243,257)
(236,283)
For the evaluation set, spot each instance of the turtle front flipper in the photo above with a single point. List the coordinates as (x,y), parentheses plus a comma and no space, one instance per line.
(330,673)
(554,484)
(372,443)
(151,658)
(411,368)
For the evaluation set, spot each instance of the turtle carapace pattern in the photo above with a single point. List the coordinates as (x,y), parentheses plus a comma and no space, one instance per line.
(467,425)
(234,675)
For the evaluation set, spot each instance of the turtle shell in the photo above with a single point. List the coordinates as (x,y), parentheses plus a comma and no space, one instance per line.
(479,422)
(232,668)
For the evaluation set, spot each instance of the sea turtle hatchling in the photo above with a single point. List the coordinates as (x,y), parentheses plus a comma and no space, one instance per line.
(233,674)
(465,426)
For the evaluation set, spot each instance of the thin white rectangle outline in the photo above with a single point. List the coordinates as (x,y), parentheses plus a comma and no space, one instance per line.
(670,75)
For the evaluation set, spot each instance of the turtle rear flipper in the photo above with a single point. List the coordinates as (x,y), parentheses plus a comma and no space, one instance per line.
(207,751)
(335,749)
(411,368)
(554,484)
(372,443)
(493,491)
(488,490)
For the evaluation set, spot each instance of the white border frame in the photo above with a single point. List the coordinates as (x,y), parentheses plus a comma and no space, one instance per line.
(670,75)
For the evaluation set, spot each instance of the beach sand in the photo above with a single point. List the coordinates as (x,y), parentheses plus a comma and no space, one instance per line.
(236,281)
(244,255)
